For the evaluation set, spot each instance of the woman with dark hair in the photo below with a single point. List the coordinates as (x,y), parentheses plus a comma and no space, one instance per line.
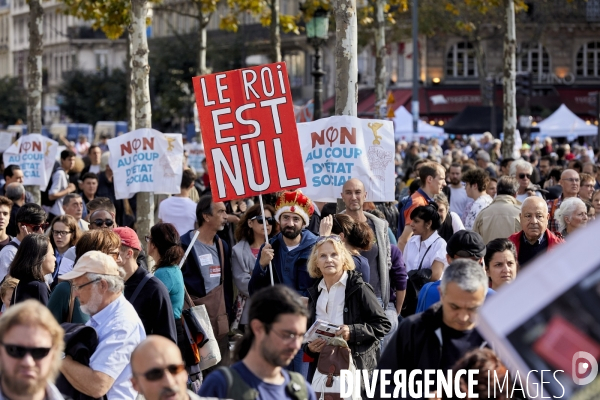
(64,234)
(486,363)
(500,262)
(165,248)
(250,235)
(426,249)
(63,304)
(34,259)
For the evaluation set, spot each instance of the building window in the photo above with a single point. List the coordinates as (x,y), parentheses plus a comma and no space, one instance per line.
(101,59)
(588,63)
(533,58)
(461,62)
(593,10)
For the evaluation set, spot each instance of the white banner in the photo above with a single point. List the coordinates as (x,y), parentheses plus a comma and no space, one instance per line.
(146,160)
(338,148)
(35,154)
(195,156)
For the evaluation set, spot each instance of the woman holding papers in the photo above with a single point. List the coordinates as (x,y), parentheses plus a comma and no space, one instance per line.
(342,297)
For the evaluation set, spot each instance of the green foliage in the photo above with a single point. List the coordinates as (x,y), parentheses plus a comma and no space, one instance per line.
(13,98)
(111,16)
(89,97)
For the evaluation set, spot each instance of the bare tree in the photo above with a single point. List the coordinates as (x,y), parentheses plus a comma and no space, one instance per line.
(346,58)
(380,53)
(34,67)
(141,93)
(508,81)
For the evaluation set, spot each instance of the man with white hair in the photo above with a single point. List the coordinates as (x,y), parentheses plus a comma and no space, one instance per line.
(535,238)
(522,170)
(98,283)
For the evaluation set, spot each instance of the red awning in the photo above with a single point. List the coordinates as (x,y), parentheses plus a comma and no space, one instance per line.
(581,101)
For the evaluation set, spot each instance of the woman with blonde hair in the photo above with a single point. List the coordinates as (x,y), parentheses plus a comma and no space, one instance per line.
(342,297)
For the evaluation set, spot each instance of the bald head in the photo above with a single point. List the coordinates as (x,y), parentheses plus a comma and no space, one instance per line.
(154,347)
(569,181)
(534,217)
(354,195)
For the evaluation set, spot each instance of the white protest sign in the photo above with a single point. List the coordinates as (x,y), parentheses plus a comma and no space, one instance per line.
(35,154)
(146,160)
(6,139)
(339,148)
(547,321)
(195,155)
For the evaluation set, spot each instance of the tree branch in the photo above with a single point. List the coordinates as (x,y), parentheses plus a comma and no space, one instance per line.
(176,11)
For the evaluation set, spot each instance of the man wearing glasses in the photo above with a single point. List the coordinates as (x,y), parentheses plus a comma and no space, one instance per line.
(273,337)
(31,344)
(569,181)
(158,370)
(99,285)
(31,218)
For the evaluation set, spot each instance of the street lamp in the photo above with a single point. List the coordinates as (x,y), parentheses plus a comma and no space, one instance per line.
(317,33)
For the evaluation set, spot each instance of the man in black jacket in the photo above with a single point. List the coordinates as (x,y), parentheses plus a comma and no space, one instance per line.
(440,336)
(146,293)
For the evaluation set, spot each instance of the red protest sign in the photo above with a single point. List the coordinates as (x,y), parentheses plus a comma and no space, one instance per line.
(249,132)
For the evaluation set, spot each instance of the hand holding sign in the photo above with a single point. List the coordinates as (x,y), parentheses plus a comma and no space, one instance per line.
(266,255)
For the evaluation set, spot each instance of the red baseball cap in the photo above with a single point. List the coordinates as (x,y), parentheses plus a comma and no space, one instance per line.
(128,237)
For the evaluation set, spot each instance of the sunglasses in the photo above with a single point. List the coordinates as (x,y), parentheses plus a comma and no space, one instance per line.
(523,176)
(260,219)
(156,374)
(100,222)
(38,227)
(15,351)
(330,237)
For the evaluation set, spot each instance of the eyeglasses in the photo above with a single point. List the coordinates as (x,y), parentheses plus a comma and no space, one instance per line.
(156,374)
(260,219)
(16,351)
(61,233)
(572,180)
(148,239)
(289,337)
(330,237)
(523,176)
(78,288)
(114,254)
(107,222)
(39,227)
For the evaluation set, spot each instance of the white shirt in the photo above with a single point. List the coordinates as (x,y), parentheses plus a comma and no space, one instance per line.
(482,202)
(59,183)
(522,197)
(457,224)
(7,255)
(330,304)
(415,251)
(95,169)
(179,211)
(119,330)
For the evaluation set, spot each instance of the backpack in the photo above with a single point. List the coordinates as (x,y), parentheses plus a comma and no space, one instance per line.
(327,380)
(45,196)
(238,389)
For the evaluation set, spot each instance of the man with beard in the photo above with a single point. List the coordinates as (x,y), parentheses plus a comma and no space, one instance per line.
(32,344)
(273,337)
(459,198)
(288,252)
(97,282)
(207,271)
(158,370)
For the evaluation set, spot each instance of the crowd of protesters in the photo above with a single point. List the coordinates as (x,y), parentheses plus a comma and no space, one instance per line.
(403,280)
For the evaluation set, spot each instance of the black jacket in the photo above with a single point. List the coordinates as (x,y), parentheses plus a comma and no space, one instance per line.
(153,305)
(417,343)
(26,290)
(364,316)
(192,275)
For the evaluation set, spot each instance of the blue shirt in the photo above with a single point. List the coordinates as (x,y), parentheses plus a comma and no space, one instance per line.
(361,265)
(215,385)
(119,330)
(429,295)
(173,280)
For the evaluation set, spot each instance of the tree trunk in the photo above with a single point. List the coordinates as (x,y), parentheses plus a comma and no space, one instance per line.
(380,53)
(346,58)
(484,88)
(143,112)
(130,97)
(202,40)
(508,81)
(275,32)
(34,66)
